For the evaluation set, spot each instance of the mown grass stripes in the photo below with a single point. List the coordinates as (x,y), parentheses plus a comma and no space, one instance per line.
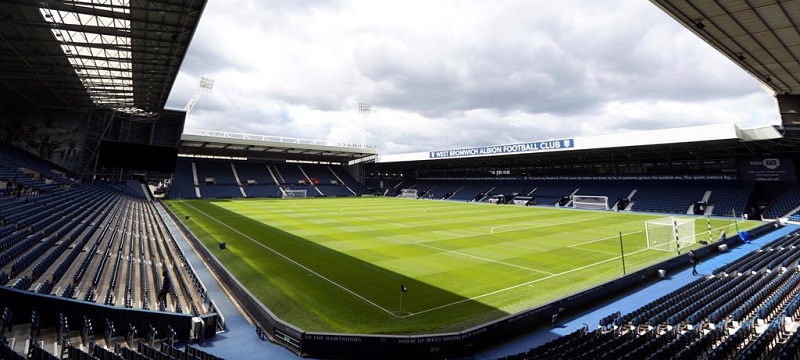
(337,264)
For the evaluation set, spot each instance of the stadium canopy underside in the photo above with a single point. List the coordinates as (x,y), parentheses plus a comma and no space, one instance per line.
(85,54)
(762,37)
(228,144)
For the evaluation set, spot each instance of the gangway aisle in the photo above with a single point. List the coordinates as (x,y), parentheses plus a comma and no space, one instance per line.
(239,340)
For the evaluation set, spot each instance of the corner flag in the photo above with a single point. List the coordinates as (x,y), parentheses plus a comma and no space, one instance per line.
(402,290)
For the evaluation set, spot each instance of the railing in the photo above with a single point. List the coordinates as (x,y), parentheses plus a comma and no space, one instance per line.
(243,136)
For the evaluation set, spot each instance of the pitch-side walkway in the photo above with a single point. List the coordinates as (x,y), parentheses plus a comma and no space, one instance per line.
(239,341)
(633,300)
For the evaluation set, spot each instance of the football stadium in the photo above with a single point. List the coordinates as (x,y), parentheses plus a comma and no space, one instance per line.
(126,235)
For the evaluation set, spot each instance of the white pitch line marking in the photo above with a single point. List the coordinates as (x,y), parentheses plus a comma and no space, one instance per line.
(492,231)
(375,211)
(575,246)
(603,239)
(294,262)
(596,251)
(517,286)
(483,259)
(495,230)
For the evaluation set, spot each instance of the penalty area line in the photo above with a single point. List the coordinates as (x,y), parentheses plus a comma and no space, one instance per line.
(483,258)
(392,313)
(527,283)
(499,229)
(604,239)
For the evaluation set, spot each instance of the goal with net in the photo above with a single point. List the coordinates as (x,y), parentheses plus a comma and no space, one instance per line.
(670,233)
(590,202)
(294,194)
(409,193)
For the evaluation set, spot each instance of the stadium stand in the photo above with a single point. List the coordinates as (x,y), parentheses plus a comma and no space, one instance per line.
(184,181)
(291,173)
(615,191)
(666,196)
(786,205)
(259,179)
(349,181)
(217,179)
(256,171)
(742,311)
(550,193)
(724,198)
(100,242)
(728,199)
(471,191)
(435,188)
(509,188)
(330,183)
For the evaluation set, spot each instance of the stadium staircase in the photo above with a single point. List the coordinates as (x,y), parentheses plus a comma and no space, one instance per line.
(483,196)
(306,176)
(342,182)
(238,181)
(276,175)
(356,187)
(195,180)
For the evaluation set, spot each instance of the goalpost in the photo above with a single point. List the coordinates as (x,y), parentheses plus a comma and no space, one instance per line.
(670,233)
(409,193)
(294,194)
(590,202)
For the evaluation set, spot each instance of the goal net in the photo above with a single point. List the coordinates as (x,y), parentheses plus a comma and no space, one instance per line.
(670,234)
(590,202)
(294,194)
(409,193)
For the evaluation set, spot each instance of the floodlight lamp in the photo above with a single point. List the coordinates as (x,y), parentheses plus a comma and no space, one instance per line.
(699,24)
(365,108)
(206,84)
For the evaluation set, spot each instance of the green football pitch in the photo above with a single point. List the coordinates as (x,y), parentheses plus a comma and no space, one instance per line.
(340,264)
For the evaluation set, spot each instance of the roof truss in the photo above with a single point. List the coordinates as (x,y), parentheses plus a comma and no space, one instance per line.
(120,54)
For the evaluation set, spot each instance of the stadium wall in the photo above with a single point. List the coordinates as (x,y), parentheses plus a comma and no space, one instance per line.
(56,136)
(429,346)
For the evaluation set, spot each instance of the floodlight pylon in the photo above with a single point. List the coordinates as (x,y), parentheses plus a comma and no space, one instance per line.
(365,110)
(205,86)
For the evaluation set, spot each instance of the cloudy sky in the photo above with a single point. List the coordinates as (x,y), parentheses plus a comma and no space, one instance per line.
(457,73)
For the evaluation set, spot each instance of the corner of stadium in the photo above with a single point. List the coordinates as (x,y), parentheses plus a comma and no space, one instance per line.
(124,235)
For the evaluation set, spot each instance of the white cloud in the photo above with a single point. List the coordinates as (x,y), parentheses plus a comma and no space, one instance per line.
(454,73)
